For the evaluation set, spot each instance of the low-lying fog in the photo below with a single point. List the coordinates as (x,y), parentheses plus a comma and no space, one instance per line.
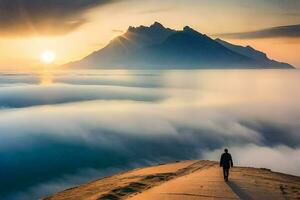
(59,129)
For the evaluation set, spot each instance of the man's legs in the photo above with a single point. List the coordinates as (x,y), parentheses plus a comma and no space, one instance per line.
(225,173)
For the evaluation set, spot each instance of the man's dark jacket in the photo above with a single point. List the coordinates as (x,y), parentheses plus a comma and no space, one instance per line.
(226,161)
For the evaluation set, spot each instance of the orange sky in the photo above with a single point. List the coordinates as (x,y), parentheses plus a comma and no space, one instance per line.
(102,23)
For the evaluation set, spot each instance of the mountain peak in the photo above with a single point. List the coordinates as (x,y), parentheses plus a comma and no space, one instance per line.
(157,25)
(188,29)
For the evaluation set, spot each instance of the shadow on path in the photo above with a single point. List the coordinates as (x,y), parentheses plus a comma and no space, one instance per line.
(239,191)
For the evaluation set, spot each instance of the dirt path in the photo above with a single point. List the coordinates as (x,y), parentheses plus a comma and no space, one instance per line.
(123,185)
(208,183)
(203,184)
(187,180)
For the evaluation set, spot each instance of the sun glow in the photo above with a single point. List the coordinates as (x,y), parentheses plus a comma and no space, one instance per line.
(48,56)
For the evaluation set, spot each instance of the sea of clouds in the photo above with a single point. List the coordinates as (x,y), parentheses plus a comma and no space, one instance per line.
(86,125)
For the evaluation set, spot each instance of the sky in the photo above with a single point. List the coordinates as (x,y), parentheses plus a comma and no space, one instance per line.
(74,29)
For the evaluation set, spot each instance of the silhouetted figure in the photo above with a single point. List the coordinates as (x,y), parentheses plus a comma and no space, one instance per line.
(226,163)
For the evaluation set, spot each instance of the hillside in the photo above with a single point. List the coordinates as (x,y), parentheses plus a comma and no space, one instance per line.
(187,180)
(157,47)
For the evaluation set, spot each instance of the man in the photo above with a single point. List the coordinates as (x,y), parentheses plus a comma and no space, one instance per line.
(226,163)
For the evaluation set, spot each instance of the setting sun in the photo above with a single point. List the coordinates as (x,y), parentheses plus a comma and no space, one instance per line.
(48,56)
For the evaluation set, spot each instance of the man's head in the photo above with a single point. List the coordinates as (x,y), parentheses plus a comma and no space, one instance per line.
(226,150)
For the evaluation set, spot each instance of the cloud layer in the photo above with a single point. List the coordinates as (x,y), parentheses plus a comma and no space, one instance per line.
(292,31)
(25,96)
(264,157)
(97,128)
(44,17)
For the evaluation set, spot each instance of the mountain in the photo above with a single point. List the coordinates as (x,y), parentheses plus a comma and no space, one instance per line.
(253,54)
(157,47)
(246,51)
(186,180)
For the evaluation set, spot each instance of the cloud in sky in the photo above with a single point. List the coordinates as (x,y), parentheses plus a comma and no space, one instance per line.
(157,10)
(25,96)
(264,157)
(53,17)
(118,31)
(291,31)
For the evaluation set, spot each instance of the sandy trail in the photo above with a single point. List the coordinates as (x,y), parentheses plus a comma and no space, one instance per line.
(203,184)
(208,183)
(187,180)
